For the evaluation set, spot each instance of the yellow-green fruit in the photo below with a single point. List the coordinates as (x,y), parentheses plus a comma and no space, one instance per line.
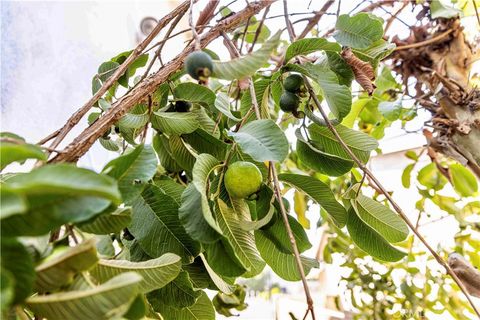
(242,179)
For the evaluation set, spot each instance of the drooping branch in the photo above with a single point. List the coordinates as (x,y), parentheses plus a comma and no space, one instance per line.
(78,115)
(85,140)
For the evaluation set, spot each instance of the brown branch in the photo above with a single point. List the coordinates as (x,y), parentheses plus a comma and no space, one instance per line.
(387,195)
(259,29)
(85,140)
(78,115)
(426,42)
(316,18)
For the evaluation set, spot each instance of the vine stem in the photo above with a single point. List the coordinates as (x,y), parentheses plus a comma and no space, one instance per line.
(397,208)
(78,115)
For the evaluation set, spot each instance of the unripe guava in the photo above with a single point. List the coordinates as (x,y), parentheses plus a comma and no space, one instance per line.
(289,101)
(199,65)
(242,179)
(293,82)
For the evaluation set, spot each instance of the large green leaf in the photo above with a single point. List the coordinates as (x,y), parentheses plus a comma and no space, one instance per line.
(319,160)
(383,220)
(107,301)
(182,154)
(370,241)
(202,169)
(222,259)
(360,143)
(192,218)
(338,96)
(134,121)
(203,142)
(63,264)
(358,31)
(222,104)
(7,292)
(242,241)
(17,261)
(161,144)
(277,233)
(179,293)
(11,202)
(65,179)
(320,192)
(175,122)
(48,212)
(283,264)
(132,171)
(201,310)
(110,221)
(246,65)
(463,180)
(263,140)
(156,226)
(306,46)
(377,51)
(156,273)
(194,93)
(13,148)
(216,279)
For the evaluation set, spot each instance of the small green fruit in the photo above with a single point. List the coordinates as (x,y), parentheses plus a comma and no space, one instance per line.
(199,65)
(293,82)
(242,179)
(289,101)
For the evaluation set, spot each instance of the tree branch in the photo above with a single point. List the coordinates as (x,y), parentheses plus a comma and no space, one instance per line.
(316,18)
(78,115)
(85,140)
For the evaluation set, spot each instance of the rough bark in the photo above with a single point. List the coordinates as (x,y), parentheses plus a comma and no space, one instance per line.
(80,145)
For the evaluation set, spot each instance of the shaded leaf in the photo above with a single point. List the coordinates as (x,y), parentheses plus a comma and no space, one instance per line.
(202,309)
(175,122)
(306,46)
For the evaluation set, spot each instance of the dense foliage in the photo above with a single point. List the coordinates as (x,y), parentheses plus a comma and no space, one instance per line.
(157,226)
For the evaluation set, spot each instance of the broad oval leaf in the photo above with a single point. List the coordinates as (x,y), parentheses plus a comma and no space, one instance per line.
(59,269)
(194,93)
(320,192)
(202,309)
(380,218)
(109,300)
(157,228)
(18,262)
(370,241)
(108,222)
(217,280)
(463,180)
(65,179)
(246,65)
(358,31)
(222,104)
(192,217)
(179,293)
(263,140)
(156,273)
(134,121)
(11,202)
(360,143)
(132,171)
(202,169)
(243,242)
(338,96)
(175,122)
(283,264)
(13,148)
(306,46)
(318,160)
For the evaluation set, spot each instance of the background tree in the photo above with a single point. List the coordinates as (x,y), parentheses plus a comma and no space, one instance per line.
(195,198)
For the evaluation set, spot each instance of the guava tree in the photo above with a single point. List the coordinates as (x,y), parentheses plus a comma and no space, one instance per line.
(195,199)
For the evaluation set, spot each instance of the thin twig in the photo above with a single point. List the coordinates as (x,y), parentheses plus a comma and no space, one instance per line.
(259,29)
(387,195)
(78,115)
(291,32)
(476,11)
(426,42)
(192,26)
(80,145)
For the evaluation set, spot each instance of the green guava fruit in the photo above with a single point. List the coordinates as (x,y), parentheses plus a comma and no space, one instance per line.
(289,101)
(199,65)
(242,179)
(293,82)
